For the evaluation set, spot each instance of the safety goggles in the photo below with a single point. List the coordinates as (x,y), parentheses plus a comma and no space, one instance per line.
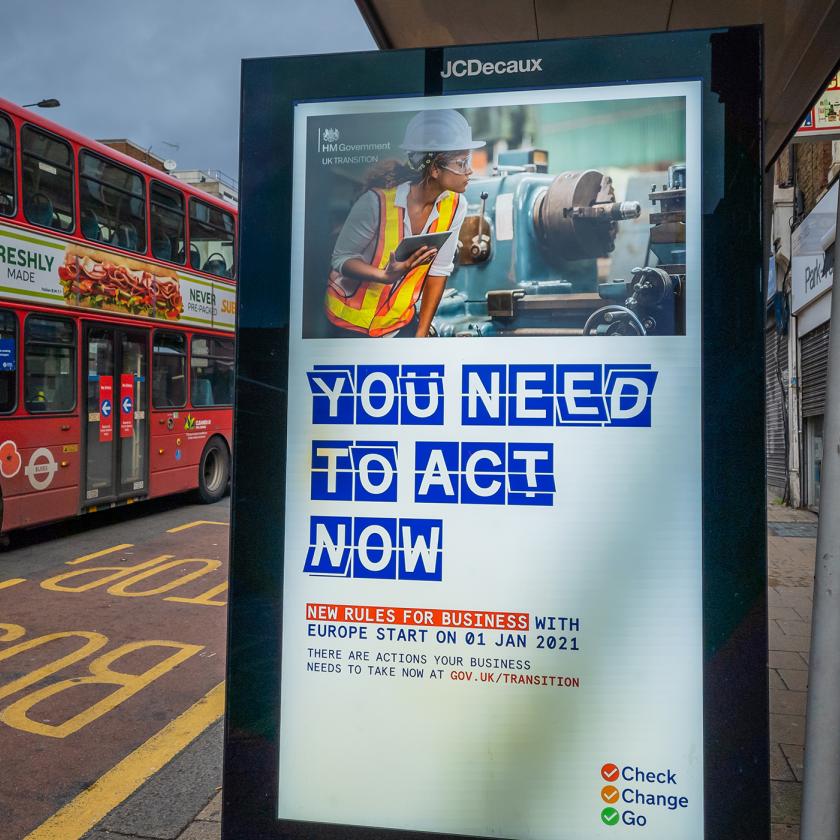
(459,166)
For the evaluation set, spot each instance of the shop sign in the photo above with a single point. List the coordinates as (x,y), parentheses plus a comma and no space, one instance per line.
(822,122)
(812,262)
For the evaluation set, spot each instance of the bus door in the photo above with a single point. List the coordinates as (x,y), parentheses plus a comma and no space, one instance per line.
(116,429)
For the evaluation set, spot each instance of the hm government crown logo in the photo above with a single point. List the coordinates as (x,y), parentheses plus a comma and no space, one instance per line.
(331,135)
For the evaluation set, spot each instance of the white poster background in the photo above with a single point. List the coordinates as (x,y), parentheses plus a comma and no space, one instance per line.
(620,550)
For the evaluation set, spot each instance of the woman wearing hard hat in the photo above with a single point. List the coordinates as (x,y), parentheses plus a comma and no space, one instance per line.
(372,293)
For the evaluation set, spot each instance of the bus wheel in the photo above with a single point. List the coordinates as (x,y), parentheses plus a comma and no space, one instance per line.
(213,471)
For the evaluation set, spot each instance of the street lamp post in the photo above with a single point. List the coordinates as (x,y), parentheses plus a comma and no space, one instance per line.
(44,103)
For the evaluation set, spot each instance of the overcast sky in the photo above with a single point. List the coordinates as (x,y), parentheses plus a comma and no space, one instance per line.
(161,70)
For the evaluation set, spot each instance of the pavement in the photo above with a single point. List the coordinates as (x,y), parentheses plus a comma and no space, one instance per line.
(791,552)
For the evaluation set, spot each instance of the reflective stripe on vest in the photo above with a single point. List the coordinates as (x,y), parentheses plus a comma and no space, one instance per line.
(377,309)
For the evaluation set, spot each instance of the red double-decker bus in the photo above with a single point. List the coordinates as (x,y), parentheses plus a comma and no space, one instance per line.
(117,307)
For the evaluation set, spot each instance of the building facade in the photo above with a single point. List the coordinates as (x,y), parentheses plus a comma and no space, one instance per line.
(801,276)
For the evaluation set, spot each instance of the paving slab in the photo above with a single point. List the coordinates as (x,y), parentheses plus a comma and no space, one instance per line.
(213,810)
(787,702)
(776,681)
(795,755)
(786,802)
(795,680)
(790,660)
(201,830)
(780,769)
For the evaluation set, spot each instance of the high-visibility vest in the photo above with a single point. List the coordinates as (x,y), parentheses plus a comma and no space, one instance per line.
(377,309)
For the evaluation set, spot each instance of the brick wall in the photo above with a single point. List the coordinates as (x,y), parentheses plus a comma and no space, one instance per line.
(813,163)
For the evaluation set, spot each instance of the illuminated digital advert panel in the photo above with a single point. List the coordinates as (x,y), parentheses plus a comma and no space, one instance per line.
(489,551)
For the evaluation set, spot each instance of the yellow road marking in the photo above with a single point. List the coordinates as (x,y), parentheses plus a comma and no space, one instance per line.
(205,598)
(193,524)
(82,813)
(96,554)
(5,584)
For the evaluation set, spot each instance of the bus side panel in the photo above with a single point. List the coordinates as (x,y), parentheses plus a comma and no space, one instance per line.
(176,451)
(40,469)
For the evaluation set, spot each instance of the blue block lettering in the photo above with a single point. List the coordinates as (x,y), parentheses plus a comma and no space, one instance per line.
(330,545)
(375,548)
(436,472)
(579,395)
(531,395)
(344,471)
(332,394)
(557,395)
(483,473)
(629,392)
(483,391)
(421,395)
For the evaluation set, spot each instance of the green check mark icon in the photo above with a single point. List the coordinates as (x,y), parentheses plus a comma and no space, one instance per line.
(609,816)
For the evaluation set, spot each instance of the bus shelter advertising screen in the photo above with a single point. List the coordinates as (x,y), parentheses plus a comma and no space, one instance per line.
(454,517)
(491,559)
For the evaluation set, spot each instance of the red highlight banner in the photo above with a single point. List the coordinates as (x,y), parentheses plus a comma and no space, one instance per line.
(106,409)
(126,405)
(419,617)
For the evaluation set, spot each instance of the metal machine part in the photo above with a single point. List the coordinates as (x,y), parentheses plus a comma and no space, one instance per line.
(649,308)
(475,239)
(529,252)
(614,320)
(576,217)
(667,234)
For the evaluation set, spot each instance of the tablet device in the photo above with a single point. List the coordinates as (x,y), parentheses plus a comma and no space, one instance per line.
(411,243)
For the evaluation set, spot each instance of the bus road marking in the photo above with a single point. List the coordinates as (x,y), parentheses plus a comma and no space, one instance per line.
(193,524)
(115,786)
(101,553)
(91,667)
(206,598)
(125,580)
(5,584)
(11,632)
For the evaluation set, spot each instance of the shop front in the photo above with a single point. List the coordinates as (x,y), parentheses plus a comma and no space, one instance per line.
(812,276)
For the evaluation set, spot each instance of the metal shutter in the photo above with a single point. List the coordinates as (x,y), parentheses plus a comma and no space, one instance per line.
(814,349)
(775,407)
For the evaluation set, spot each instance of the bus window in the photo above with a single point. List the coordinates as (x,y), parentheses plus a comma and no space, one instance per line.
(49,368)
(211,371)
(112,200)
(167,223)
(47,179)
(7,167)
(169,370)
(8,361)
(211,239)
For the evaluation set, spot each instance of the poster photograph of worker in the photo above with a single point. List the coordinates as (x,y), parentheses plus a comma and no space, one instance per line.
(543,213)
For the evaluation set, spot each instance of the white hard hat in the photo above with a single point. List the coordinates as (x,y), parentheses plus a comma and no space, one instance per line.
(438,131)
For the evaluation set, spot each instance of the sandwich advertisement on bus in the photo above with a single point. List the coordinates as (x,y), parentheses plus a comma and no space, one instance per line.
(51,270)
(491,552)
